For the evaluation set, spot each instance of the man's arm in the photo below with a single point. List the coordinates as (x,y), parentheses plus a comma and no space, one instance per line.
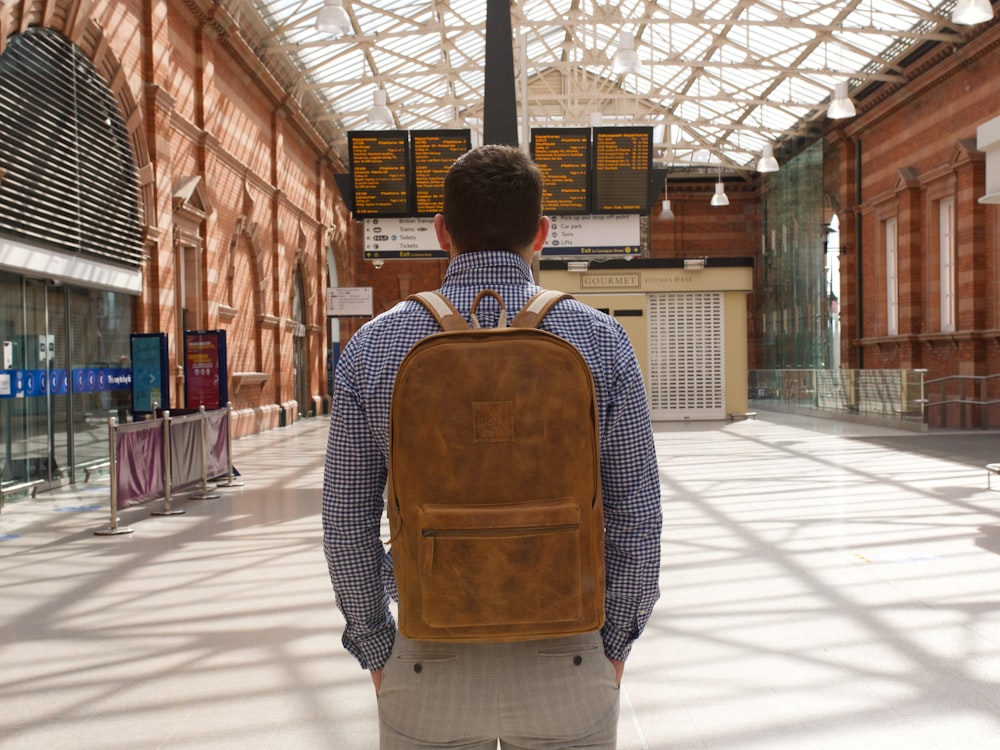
(633,514)
(353,483)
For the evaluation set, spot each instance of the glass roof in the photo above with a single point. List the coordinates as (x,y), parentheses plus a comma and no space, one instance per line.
(718,78)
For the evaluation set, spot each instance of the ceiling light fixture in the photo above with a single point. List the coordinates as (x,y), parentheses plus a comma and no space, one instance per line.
(666,213)
(767,161)
(970,12)
(720,198)
(626,59)
(380,114)
(332,19)
(841,105)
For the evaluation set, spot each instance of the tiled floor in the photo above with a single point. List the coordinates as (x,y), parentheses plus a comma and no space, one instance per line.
(825,587)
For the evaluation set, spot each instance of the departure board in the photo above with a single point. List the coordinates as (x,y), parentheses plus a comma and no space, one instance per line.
(380,172)
(623,158)
(434,151)
(563,155)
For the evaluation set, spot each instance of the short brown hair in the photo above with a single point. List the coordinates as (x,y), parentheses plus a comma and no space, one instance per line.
(492,199)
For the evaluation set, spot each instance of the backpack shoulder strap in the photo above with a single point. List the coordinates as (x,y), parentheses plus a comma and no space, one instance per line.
(443,311)
(536,308)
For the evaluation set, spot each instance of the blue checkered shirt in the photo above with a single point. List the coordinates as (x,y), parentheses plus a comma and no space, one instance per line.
(358,452)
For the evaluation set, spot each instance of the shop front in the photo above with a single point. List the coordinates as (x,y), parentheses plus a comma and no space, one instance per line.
(65,371)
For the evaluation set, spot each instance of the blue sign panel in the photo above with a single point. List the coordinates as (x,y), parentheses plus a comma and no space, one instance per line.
(150,378)
(38,383)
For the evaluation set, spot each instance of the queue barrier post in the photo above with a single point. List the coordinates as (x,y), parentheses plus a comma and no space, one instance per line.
(114,528)
(167,510)
(229,479)
(203,494)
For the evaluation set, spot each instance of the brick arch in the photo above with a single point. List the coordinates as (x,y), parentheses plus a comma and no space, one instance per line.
(70,18)
(253,250)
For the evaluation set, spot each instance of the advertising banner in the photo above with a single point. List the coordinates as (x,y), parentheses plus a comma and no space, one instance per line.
(206,380)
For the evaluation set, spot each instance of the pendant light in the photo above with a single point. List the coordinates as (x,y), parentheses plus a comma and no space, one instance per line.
(332,19)
(720,198)
(666,214)
(767,161)
(380,114)
(626,59)
(970,12)
(841,105)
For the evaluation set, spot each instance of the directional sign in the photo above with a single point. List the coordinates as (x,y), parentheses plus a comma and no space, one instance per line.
(605,234)
(407,238)
(347,302)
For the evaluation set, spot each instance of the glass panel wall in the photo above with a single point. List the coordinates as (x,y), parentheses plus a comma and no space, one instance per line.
(102,324)
(795,303)
(18,408)
(65,370)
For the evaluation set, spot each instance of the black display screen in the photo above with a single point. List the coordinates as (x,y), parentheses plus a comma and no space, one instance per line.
(623,158)
(563,155)
(434,151)
(380,173)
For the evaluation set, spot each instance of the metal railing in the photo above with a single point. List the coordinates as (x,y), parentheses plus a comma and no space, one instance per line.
(964,401)
(885,395)
(902,396)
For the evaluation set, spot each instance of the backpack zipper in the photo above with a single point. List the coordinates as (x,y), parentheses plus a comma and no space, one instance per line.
(507,531)
(431,534)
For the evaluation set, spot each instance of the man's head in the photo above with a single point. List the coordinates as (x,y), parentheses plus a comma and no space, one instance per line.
(492,201)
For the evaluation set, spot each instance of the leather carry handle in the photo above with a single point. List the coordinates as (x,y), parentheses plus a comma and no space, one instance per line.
(502,322)
(451,320)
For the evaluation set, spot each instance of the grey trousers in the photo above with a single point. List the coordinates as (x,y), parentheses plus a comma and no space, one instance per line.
(533,695)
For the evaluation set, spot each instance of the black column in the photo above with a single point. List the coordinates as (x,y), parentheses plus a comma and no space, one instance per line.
(499,99)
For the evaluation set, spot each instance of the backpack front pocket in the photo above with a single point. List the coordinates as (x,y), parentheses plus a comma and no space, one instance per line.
(502,564)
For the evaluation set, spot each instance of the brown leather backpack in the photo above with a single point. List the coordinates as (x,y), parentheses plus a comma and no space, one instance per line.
(494,492)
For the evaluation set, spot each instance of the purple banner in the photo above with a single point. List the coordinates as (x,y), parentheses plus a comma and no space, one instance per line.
(216,440)
(185,450)
(139,475)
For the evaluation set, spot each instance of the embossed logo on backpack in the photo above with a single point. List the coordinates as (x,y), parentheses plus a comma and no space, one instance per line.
(492,421)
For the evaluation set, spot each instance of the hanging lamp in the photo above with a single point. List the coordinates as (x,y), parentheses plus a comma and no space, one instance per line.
(970,12)
(380,114)
(332,19)
(767,161)
(841,105)
(720,198)
(666,213)
(626,59)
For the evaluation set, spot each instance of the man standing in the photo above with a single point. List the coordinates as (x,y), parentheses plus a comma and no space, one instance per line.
(552,693)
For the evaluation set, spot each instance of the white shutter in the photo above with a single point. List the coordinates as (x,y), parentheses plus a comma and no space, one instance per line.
(686,356)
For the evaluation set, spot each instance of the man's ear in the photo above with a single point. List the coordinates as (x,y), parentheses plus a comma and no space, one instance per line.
(444,239)
(542,235)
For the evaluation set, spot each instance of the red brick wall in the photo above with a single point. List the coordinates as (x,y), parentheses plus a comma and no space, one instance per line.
(918,147)
(199,104)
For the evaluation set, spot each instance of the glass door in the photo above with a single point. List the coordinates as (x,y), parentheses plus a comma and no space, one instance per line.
(100,372)
(14,423)
(65,371)
(29,354)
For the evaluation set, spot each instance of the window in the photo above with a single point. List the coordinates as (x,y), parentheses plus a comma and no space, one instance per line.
(891,279)
(946,238)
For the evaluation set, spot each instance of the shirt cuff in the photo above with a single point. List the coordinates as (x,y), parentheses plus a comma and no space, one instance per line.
(373,652)
(617,644)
